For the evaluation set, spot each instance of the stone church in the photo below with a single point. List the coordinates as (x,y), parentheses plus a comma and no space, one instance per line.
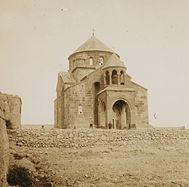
(97,91)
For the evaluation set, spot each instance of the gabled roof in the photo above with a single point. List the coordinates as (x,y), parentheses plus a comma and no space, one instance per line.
(66,77)
(93,44)
(114,61)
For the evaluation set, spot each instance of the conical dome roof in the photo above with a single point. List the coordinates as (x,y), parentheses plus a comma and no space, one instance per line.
(93,44)
(114,61)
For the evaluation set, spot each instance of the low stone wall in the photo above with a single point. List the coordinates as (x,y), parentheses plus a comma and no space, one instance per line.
(4,153)
(76,138)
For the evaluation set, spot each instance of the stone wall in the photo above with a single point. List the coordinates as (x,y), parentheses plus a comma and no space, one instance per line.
(83,94)
(76,138)
(10,110)
(4,152)
(78,106)
(56,124)
(82,61)
(141,105)
(10,117)
(80,96)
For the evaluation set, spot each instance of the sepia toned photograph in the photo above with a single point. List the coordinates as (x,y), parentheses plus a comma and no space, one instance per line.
(94,93)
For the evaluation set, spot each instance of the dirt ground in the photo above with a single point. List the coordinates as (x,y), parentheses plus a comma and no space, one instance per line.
(142,163)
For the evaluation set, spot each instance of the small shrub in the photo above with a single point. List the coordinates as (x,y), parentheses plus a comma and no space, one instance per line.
(8,124)
(19,175)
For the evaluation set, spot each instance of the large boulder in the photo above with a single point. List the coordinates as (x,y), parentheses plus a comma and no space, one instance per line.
(4,153)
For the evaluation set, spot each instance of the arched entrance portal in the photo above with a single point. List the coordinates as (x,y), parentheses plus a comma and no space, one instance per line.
(121,115)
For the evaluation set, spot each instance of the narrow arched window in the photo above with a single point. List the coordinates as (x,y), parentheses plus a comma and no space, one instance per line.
(107,78)
(114,77)
(122,78)
(103,106)
(91,61)
(80,109)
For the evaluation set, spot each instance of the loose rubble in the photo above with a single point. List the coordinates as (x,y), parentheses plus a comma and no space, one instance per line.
(75,138)
(99,157)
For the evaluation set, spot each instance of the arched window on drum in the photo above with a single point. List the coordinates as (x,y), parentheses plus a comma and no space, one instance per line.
(114,77)
(91,61)
(107,75)
(122,78)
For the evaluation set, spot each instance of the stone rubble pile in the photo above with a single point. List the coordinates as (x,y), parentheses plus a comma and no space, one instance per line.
(76,138)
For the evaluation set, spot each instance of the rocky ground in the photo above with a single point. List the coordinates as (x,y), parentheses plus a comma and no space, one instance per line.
(95,157)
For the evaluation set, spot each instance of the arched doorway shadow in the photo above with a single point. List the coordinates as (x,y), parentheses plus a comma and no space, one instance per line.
(121,115)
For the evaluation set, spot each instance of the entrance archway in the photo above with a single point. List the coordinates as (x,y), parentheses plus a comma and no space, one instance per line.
(121,115)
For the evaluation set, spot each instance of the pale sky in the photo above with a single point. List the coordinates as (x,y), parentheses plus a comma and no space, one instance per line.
(151,36)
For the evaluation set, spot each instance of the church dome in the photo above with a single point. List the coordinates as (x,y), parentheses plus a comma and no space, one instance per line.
(93,44)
